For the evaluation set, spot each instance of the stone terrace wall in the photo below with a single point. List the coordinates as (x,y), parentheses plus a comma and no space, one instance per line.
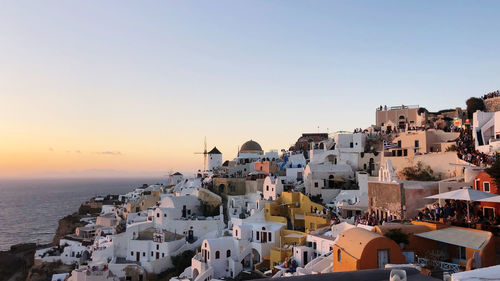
(492,104)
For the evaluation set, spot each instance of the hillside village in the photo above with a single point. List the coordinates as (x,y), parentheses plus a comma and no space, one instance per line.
(417,191)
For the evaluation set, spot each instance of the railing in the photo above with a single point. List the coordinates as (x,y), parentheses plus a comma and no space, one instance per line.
(446,266)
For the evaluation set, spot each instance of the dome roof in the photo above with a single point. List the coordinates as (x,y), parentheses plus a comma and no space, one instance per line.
(251,147)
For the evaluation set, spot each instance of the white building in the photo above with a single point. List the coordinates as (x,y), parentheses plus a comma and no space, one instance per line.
(486,131)
(240,207)
(73,252)
(214,159)
(320,178)
(295,165)
(274,186)
(182,214)
(226,257)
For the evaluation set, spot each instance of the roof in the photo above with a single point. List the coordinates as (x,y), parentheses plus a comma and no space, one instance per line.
(338,229)
(250,146)
(177,174)
(459,236)
(360,275)
(354,240)
(484,273)
(405,228)
(214,151)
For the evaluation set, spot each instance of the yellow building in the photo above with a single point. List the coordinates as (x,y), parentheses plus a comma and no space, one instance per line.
(300,215)
(297,211)
(143,203)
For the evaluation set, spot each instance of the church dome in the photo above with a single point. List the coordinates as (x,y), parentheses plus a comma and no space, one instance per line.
(251,147)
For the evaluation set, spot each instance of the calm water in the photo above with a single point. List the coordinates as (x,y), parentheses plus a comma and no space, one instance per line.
(31,208)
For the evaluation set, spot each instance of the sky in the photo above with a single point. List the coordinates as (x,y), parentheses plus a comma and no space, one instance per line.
(131,88)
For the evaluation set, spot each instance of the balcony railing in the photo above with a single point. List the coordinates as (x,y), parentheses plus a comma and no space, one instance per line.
(446,266)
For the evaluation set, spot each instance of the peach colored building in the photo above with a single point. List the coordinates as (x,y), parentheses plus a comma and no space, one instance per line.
(267,167)
(358,249)
(486,183)
(400,116)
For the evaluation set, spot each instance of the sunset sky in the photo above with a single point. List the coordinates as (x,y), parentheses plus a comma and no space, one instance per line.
(131,88)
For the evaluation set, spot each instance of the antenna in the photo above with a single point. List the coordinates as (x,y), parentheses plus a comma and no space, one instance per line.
(205,153)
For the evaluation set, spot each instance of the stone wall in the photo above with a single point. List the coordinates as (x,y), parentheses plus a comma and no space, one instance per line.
(386,199)
(492,104)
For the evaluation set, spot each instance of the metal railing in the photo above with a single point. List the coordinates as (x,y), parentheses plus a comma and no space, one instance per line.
(446,266)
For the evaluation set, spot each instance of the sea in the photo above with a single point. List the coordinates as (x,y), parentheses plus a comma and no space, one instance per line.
(30,209)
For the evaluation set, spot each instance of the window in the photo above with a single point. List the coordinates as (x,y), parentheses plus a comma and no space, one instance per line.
(351,145)
(316,184)
(217,255)
(143,254)
(269,236)
(400,153)
(394,153)
(152,253)
(476,184)
(257,235)
(157,215)
(399,143)
(131,253)
(162,255)
(339,255)
(405,152)
(267,187)
(228,253)
(486,186)
(417,143)
(236,232)
(165,215)
(157,247)
(462,253)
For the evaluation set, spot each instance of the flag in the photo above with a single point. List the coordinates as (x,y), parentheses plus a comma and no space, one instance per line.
(389,145)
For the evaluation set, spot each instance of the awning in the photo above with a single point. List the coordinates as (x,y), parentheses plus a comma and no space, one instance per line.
(458,236)
(495,199)
(466,194)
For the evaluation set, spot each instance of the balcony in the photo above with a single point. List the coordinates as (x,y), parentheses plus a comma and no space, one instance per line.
(445,266)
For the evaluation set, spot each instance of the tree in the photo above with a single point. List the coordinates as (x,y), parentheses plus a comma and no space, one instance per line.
(474,104)
(398,236)
(494,170)
(419,172)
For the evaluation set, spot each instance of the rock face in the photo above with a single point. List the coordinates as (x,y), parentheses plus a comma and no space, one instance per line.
(67,225)
(15,263)
(44,271)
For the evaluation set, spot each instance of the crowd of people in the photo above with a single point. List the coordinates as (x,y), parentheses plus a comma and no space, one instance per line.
(491,95)
(366,219)
(467,151)
(457,212)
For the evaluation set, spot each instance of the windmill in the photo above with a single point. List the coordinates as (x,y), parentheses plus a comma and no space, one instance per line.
(204,155)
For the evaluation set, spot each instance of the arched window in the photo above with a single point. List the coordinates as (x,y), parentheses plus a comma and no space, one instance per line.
(217,255)
(339,255)
(228,253)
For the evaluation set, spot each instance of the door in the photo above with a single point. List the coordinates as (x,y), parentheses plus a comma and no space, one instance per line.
(157,255)
(138,256)
(305,258)
(383,258)
(264,237)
